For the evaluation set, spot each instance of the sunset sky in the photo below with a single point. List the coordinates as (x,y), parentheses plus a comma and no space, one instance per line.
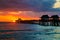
(11,10)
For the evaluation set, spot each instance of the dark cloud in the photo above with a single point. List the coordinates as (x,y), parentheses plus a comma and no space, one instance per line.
(28,5)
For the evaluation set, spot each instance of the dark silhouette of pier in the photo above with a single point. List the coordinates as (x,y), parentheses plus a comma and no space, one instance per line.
(50,21)
(55,20)
(44,20)
(26,21)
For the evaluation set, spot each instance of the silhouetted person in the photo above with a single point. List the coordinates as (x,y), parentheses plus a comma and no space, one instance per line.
(44,19)
(55,20)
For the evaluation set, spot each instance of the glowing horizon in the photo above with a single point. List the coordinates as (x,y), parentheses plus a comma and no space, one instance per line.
(12,16)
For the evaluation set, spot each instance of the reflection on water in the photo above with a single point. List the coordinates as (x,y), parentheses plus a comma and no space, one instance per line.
(12,31)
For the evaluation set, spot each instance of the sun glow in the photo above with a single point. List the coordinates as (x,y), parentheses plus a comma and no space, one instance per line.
(7,18)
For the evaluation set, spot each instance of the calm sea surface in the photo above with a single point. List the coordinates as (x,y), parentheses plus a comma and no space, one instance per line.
(13,31)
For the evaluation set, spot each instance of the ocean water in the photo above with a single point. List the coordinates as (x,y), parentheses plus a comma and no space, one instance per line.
(14,31)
